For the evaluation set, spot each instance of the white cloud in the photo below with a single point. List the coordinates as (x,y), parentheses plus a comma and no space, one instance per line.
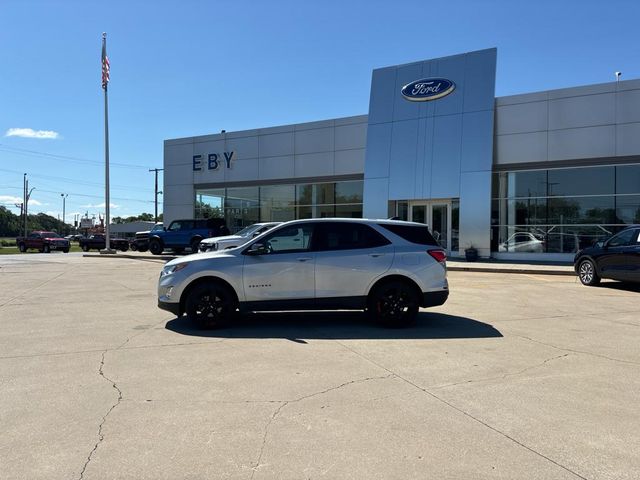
(11,200)
(31,133)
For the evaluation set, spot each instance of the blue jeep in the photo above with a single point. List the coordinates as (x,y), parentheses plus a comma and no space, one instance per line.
(182,234)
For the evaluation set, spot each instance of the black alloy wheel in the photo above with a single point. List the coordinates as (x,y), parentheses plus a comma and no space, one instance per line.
(133,247)
(155,246)
(22,247)
(587,273)
(393,304)
(85,248)
(46,249)
(211,305)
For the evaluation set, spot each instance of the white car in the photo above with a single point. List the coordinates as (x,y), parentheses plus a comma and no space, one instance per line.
(522,242)
(240,238)
(388,267)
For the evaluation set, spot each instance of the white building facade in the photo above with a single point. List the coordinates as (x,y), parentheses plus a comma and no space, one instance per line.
(538,175)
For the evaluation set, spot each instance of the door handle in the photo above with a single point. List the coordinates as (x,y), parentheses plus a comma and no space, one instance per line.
(304,259)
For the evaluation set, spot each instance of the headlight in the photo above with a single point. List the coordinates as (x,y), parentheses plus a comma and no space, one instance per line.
(168,270)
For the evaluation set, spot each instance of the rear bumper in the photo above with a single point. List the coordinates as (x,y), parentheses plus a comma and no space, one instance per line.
(433,299)
(170,307)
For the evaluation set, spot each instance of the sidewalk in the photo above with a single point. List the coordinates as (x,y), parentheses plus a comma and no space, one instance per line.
(497,266)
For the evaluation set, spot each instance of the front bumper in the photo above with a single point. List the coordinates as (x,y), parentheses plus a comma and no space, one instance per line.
(434,299)
(170,307)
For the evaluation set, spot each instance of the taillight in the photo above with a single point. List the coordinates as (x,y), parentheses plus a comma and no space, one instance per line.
(439,255)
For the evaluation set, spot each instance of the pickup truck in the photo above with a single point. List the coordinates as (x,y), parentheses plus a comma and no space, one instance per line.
(183,234)
(141,241)
(98,242)
(43,241)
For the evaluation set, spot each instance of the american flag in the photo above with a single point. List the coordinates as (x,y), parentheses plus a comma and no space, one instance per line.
(105,66)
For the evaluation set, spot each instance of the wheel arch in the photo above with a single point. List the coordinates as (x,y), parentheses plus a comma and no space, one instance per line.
(397,278)
(592,260)
(200,281)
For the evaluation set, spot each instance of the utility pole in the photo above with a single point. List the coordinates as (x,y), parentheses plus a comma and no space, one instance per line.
(156,191)
(27,195)
(64,200)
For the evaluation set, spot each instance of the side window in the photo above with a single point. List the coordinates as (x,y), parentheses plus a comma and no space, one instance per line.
(175,226)
(296,238)
(637,236)
(622,239)
(34,235)
(347,236)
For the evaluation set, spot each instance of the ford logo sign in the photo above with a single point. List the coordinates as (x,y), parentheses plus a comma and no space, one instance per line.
(427,89)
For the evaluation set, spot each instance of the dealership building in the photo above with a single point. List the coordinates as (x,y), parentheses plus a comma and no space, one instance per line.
(537,175)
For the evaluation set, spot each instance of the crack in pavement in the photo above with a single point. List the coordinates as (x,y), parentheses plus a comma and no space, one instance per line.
(501,377)
(460,410)
(115,405)
(284,403)
(23,293)
(584,352)
(104,418)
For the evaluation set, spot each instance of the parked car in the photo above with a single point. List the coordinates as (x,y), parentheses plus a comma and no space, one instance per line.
(389,268)
(182,234)
(45,242)
(141,240)
(617,258)
(99,242)
(240,238)
(522,242)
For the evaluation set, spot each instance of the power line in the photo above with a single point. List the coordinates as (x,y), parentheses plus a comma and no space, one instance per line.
(77,182)
(66,158)
(88,196)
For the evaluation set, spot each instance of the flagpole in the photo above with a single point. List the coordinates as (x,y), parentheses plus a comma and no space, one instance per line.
(106,151)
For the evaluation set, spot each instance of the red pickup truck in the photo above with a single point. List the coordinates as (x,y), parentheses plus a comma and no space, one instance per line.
(43,241)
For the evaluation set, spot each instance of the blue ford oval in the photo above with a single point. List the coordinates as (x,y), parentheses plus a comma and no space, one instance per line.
(427,89)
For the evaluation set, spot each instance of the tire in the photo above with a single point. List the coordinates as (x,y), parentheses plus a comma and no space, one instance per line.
(46,249)
(22,247)
(393,304)
(155,246)
(85,248)
(134,247)
(143,249)
(65,250)
(211,305)
(195,242)
(587,273)
(124,248)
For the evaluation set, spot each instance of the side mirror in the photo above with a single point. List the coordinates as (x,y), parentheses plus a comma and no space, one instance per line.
(257,249)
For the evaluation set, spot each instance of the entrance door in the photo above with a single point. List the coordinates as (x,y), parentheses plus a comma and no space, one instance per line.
(437,215)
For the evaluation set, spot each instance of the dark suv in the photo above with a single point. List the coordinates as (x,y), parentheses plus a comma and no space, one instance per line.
(182,234)
(617,258)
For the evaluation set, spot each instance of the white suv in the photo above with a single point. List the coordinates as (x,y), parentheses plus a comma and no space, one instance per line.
(230,241)
(387,267)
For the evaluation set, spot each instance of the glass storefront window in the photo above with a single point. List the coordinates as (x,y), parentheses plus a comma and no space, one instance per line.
(209,203)
(349,192)
(582,210)
(277,203)
(241,207)
(628,209)
(581,181)
(628,179)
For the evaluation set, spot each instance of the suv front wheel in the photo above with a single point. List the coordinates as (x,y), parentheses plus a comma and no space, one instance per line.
(393,304)
(210,305)
(155,246)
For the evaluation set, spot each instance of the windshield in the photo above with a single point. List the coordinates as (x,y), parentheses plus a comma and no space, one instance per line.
(157,227)
(248,231)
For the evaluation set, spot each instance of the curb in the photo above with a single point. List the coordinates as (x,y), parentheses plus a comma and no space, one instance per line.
(529,271)
(164,258)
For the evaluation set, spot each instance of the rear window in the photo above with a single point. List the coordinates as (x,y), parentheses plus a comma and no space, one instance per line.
(411,233)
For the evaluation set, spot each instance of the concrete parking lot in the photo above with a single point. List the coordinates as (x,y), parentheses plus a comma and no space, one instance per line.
(517,376)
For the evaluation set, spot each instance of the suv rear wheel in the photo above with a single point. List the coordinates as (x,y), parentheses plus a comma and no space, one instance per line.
(22,247)
(393,303)
(195,243)
(210,305)
(155,246)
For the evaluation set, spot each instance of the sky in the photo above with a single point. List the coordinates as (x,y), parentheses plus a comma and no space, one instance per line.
(195,67)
